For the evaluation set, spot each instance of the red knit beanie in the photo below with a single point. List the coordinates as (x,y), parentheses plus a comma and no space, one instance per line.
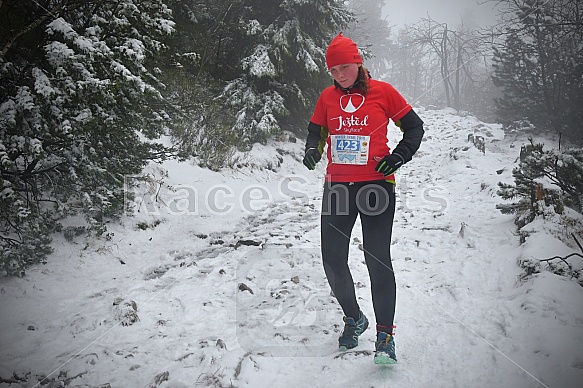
(342,50)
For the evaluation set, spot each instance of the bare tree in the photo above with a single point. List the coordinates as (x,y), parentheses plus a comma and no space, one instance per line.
(455,64)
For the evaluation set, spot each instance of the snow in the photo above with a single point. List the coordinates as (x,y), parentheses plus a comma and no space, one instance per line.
(253,27)
(60,25)
(259,64)
(308,60)
(42,84)
(58,53)
(177,295)
(134,48)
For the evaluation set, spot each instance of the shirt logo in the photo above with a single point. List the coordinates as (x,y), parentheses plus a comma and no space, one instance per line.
(350,103)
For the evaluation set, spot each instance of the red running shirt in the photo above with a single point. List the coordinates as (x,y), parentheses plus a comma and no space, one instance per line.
(357,129)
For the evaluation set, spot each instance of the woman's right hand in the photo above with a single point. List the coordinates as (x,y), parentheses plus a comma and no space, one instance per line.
(311,158)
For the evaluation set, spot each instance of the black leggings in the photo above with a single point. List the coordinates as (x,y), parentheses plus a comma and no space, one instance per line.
(375,203)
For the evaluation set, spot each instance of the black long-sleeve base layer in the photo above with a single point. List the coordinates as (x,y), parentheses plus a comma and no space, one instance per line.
(375,203)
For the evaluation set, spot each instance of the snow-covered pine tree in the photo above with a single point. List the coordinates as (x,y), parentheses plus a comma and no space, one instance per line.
(239,71)
(79,109)
(544,180)
(271,57)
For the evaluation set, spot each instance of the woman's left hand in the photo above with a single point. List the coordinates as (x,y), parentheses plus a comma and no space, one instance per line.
(389,164)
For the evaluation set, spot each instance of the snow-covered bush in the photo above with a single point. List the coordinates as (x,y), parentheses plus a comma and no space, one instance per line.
(544,179)
(548,187)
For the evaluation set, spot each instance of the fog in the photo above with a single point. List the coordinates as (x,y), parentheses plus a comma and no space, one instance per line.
(399,12)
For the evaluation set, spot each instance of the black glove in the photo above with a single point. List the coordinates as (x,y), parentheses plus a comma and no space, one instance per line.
(389,164)
(312,158)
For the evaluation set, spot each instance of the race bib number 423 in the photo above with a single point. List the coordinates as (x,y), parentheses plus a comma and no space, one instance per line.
(350,149)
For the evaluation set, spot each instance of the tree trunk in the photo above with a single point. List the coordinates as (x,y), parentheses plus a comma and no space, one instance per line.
(444,67)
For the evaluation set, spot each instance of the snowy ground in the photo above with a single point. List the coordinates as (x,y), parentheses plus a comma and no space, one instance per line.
(187,299)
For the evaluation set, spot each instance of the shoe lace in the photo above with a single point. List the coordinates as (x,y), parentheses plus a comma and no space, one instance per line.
(351,330)
(387,344)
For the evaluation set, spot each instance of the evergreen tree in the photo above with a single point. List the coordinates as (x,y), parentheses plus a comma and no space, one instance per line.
(267,58)
(79,109)
(540,67)
(85,95)
(544,179)
(193,71)
(282,68)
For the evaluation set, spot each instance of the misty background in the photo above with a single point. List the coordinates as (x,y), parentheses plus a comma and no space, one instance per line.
(473,13)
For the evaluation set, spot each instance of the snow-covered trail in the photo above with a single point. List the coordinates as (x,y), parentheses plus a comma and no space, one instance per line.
(222,300)
(454,256)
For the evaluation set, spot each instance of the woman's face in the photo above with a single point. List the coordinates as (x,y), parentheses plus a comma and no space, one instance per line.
(345,74)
